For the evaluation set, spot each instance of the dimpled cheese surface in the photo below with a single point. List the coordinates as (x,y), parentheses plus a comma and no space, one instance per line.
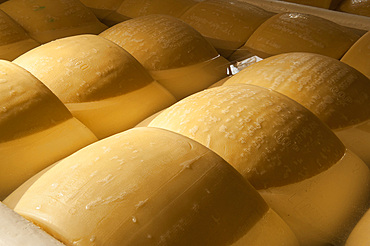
(98,81)
(48,20)
(145,186)
(36,129)
(239,120)
(358,56)
(14,41)
(227,25)
(360,235)
(16,231)
(290,32)
(338,94)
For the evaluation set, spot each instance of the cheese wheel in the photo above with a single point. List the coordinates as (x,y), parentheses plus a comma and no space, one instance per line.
(136,8)
(17,231)
(338,94)
(48,20)
(286,153)
(359,7)
(293,32)
(175,54)
(326,4)
(360,235)
(148,186)
(358,56)
(36,129)
(14,40)
(227,25)
(98,81)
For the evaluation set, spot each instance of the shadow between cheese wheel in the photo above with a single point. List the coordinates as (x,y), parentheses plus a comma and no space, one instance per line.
(99,82)
(36,129)
(149,186)
(173,52)
(48,20)
(287,154)
(335,92)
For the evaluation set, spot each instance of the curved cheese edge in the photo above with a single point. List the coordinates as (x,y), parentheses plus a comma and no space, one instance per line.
(360,235)
(227,25)
(297,32)
(98,81)
(355,7)
(52,19)
(238,121)
(17,231)
(335,92)
(358,56)
(140,186)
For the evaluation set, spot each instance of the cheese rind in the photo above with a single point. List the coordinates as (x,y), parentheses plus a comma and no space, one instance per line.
(143,186)
(360,235)
(17,231)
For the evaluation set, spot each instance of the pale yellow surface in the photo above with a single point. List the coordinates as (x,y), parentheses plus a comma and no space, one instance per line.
(324,208)
(145,186)
(14,40)
(360,235)
(293,32)
(36,129)
(100,83)
(46,20)
(136,8)
(358,56)
(238,121)
(227,25)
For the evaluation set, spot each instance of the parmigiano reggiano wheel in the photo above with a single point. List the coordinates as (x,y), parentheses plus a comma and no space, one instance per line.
(287,154)
(148,186)
(48,20)
(14,41)
(226,24)
(99,82)
(297,32)
(175,54)
(360,235)
(338,94)
(36,129)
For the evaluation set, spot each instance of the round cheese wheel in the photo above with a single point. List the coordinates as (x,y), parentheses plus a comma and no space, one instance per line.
(148,186)
(358,56)
(293,32)
(14,40)
(98,81)
(48,20)
(338,94)
(175,54)
(360,235)
(36,129)
(286,153)
(357,7)
(227,25)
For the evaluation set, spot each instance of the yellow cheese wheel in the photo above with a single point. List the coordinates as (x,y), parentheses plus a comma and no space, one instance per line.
(293,32)
(136,8)
(227,25)
(148,186)
(360,235)
(175,54)
(338,94)
(358,56)
(98,81)
(287,154)
(14,40)
(48,20)
(358,7)
(36,129)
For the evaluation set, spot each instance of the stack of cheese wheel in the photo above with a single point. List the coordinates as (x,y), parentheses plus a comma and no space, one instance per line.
(297,164)
(149,186)
(48,20)
(14,40)
(337,93)
(36,129)
(100,83)
(174,53)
